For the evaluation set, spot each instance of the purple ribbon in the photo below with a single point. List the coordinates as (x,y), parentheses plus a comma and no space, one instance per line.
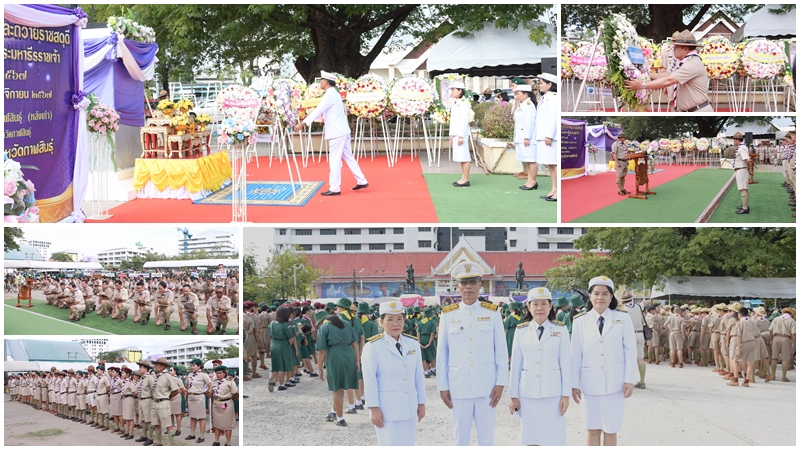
(78,97)
(80,13)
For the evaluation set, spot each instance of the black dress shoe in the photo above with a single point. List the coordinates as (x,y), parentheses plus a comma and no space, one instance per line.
(743,211)
(178,433)
(738,208)
(329,193)
(456,184)
(361,186)
(544,197)
(166,328)
(526,188)
(189,437)
(551,199)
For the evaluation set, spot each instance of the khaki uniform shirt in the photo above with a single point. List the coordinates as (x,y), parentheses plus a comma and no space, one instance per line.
(224,389)
(164,386)
(103,384)
(190,304)
(165,299)
(146,386)
(741,158)
(674,323)
(783,326)
(215,304)
(693,84)
(196,383)
(142,299)
(73,384)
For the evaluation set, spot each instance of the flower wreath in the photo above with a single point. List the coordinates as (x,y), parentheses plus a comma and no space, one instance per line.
(619,36)
(580,59)
(411,96)
(367,97)
(719,56)
(763,59)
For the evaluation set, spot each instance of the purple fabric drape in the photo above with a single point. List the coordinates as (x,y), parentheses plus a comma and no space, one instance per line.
(128,96)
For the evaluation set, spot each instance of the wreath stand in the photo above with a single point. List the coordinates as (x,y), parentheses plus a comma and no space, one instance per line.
(767,90)
(238,155)
(642,176)
(359,145)
(413,135)
(100,159)
(437,138)
(789,97)
(730,90)
(285,146)
(600,102)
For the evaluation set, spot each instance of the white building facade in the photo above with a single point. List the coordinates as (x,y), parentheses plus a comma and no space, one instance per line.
(42,246)
(115,256)
(94,346)
(215,242)
(184,353)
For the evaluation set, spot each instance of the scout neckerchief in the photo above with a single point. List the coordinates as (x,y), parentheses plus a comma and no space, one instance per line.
(425,320)
(675,91)
(516,316)
(153,387)
(113,385)
(347,314)
(364,319)
(216,391)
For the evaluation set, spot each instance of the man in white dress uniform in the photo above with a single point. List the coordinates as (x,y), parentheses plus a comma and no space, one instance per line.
(394,384)
(337,132)
(603,362)
(471,358)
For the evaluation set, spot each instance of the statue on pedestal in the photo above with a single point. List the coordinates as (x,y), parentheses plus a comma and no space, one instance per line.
(410,285)
(519,276)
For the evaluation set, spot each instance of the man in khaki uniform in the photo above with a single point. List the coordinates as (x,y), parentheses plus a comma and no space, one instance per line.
(145,395)
(62,295)
(715,326)
(677,336)
(690,77)
(164,388)
(742,168)
(197,384)
(141,301)
(618,152)
(693,327)
(120,302)
(164,300)
(89,296)
(728,321)
(64,395)
(103,391)
(77,308)
(783,334)
(104,296)
(188,307)
(91,395)
(50,291)
(217,309)
(72,395)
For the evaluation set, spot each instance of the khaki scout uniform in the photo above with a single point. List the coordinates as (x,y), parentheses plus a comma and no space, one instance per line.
(621,165)
(782,329)
(121,307)
(91,299)
(222,413)
(104,302)
(214,305)
(196,385)
(191,306)
(675,323)
(164,385)
(164,306)
(692,85)
(141,301)
(146,398)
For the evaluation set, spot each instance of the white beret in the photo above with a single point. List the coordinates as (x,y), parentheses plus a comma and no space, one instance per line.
(539,293)
(392,307)
(327,75)
(523,88)
(602,280)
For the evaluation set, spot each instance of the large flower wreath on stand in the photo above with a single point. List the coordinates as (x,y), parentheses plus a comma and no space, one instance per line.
(621,41)
(367,97)
(719,56)
(763,59)
(580,59)
(411,96)
(567,49)
(787,71)
(19,203)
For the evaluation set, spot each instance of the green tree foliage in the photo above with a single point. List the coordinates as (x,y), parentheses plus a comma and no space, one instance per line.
(641,128)
(279,279)
(655,21)
(110,357)
(230,351)
(61,257)
(641,256)
(10,236)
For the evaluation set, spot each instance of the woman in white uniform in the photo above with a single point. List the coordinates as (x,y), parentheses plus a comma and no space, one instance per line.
(547,149)
(459,131)
(540,373)
(524,133)
(394,384)
(603,362)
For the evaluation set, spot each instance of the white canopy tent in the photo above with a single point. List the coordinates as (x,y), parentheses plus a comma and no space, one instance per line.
(491,48)
(27,366)
(725,288)
(764,23)
(191,263)
(43,265)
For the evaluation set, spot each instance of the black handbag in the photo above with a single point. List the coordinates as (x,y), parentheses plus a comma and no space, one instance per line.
(646,330)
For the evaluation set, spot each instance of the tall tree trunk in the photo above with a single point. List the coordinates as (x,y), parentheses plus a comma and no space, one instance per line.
(666,19)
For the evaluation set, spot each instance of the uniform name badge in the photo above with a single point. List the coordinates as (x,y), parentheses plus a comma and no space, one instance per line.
(411,352)
(555,333)
(619,321)
(484,319)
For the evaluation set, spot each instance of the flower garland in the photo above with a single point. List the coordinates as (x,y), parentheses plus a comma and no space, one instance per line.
(688,144)
(763,59)
(580,59)
(567,50)
(19,202)
(675,145)
(132,30)
(411,96)
(367,97)
(719,56)
(619,35)
(702,144)
(286,100)
(236,130)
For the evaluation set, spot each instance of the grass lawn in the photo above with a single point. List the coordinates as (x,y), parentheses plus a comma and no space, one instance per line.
(769,202)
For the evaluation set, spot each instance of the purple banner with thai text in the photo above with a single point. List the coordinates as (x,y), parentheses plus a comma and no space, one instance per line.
(573,148)
(39,120)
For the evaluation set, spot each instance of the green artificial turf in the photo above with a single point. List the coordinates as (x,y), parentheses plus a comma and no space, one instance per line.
(769,202)
(20,322)
(92,320)
(492,198)
(678,201)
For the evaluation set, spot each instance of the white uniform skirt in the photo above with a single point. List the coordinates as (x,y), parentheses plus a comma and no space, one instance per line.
(461,152)
(542,422)
(547,154)
(398,432)
(603,412)
(525,153)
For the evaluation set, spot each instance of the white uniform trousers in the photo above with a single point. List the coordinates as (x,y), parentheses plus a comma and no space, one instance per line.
(398,432)
(461,152)
(339,150)
(464,411)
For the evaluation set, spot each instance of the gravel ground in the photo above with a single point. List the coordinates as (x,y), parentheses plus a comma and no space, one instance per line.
(689,406)
(27,426)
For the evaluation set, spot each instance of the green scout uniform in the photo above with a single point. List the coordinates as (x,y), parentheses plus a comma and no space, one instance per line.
(295,332)
(340,360)
(510,324)
(281,352)
(369,327)
(305,350)
(426,329)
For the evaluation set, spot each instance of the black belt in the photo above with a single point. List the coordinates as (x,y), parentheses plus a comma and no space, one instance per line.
(72,392)
(101,394)
(126,396)
(739,168)
(222,399)
(92,392)
(340,345)
(638,331)
(700,106)
(195,393)
(145,398)
(161,399)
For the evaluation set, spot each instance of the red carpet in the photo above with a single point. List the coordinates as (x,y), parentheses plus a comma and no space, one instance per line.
(397,194)
(584,195)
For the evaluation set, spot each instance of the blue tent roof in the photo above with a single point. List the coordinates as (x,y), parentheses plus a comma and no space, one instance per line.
(25,252)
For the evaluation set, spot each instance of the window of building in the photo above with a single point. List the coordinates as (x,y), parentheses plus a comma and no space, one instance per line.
(512,229)
(377,231)
(377,246)
(399,231)
(305,247)
(352,247)
(583,231)
(544,246)
(327,231)
(565,246)
(512,243)
(399,246)
(299,232)
(352,231)
(327,247)
(424,229)
(424,244)
(544,230)
(565,231)
(282,231)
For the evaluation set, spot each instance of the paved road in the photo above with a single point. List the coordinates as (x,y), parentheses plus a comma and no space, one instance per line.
(690,406)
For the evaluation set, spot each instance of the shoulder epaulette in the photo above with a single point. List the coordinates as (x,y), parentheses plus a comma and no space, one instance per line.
(376,337)
(578,315)
(523,324)
(410,336)
(489,306)
(449,308)
(621,308)
(558,322)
